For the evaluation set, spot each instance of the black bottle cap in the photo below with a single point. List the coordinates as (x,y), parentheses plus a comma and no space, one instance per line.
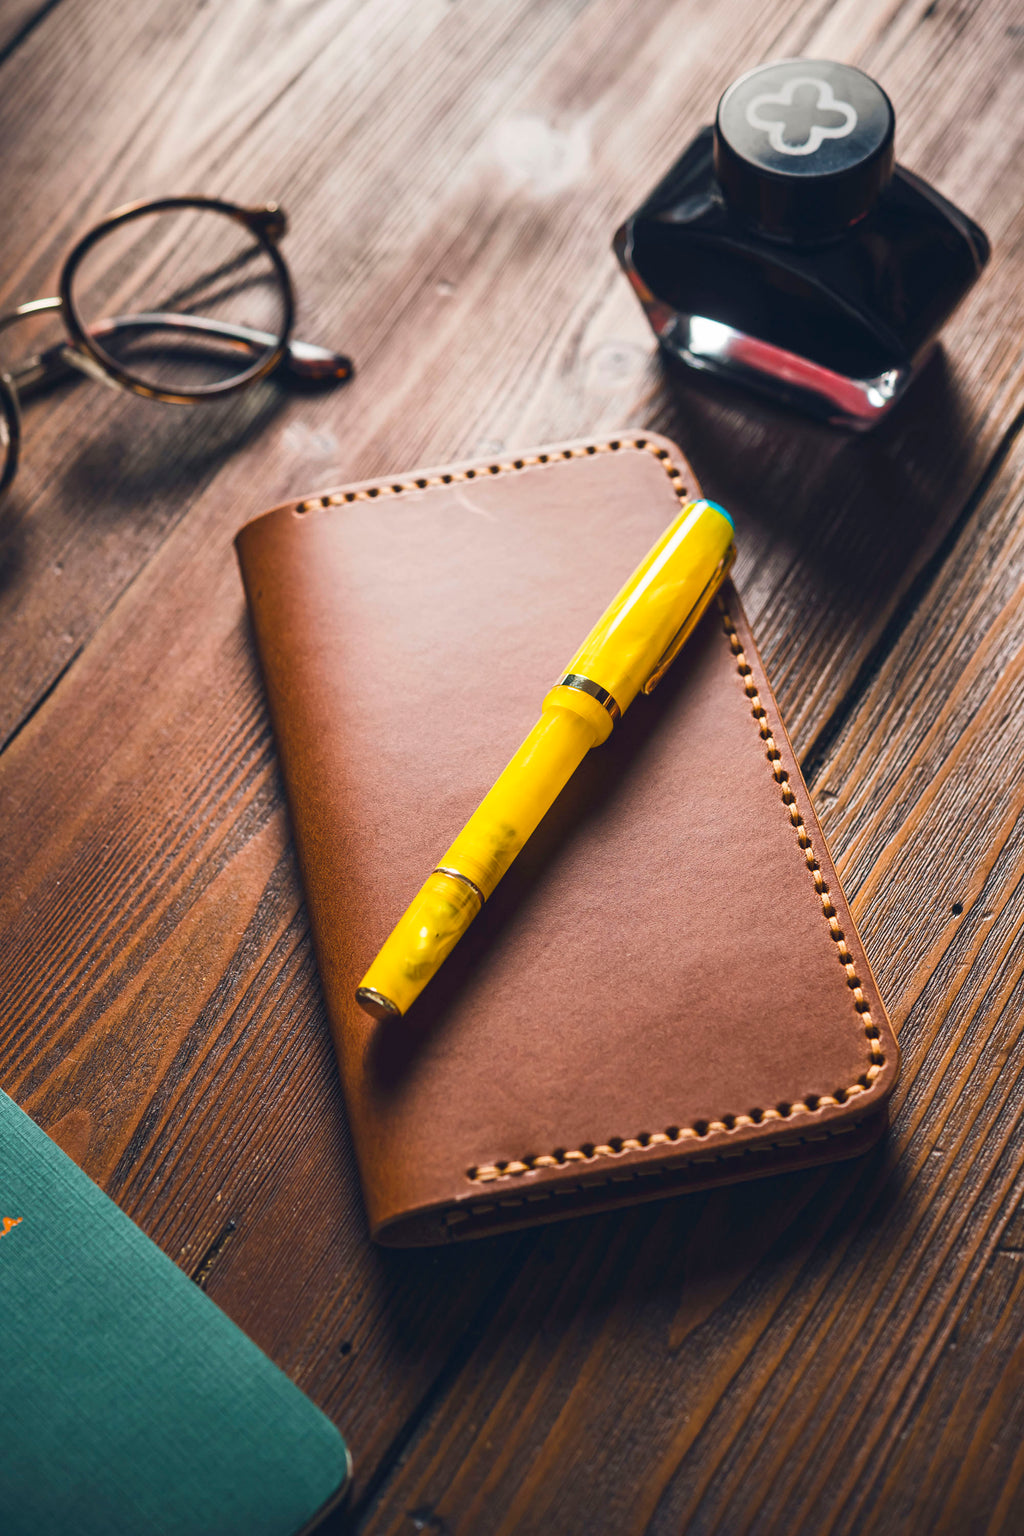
(803,147)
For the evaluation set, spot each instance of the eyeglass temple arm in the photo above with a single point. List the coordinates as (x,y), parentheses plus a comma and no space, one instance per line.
(302,359)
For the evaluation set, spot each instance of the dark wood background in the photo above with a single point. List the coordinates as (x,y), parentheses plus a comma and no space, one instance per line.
(836,1351)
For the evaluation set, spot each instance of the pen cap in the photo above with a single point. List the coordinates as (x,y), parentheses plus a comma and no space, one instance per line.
(641,629)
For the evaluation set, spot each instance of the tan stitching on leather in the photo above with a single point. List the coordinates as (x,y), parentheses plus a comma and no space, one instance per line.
(781,777)
(472,1209)
(675,1135)
(525,461)
(814,1104)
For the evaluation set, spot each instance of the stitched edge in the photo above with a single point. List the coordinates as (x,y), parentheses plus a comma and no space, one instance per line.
(781,777)
(674,1135)
(670,1174)
(525,461)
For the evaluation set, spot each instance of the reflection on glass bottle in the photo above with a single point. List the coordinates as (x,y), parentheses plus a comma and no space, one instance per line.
(785,249)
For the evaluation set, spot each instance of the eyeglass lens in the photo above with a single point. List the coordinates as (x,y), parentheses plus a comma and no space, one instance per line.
(148,290)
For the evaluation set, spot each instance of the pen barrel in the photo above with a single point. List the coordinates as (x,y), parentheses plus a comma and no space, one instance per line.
(628,650)
(526,790)
(421,940)
(451,897)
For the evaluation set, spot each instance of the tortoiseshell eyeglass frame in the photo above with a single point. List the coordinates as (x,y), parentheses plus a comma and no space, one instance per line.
(83,352)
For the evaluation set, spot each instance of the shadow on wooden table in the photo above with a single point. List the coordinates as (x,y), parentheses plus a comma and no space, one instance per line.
(134,463)
(856,508)
(637,1287)
(172,449)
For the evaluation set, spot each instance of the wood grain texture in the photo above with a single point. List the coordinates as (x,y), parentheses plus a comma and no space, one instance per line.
(478,292)
(786,1360)
(831,1352)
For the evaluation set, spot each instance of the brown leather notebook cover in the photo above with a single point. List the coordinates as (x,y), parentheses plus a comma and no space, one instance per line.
(666,990)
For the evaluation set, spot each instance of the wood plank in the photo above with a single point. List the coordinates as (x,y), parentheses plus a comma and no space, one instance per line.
(479,296)
(161,1009)
(815,1355)
(259,111)
(162,1017)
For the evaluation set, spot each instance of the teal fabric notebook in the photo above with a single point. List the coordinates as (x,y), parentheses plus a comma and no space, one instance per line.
(129,1404)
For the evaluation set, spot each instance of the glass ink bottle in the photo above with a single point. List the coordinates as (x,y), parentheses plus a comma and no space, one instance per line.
(786,250)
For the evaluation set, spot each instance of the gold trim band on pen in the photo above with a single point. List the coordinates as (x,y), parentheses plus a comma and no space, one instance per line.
(584,684)
(456,874)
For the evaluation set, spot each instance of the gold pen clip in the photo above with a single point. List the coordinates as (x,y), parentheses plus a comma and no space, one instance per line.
(691,621)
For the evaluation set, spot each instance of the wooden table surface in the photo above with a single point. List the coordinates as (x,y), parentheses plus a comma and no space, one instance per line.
(835,1351)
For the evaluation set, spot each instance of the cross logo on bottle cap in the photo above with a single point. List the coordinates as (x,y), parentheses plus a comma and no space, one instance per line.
(790,116)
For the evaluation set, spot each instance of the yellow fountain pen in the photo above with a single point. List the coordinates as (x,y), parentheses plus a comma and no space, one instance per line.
(628,651)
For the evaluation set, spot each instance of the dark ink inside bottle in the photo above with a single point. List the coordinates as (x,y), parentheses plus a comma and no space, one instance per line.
(786,250)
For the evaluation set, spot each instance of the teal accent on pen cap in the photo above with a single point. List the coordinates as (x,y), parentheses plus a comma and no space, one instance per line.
(717,508)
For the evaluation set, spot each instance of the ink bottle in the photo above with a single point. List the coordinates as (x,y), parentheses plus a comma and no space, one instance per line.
(785,249)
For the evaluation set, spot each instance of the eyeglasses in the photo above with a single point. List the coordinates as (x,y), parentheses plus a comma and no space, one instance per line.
(179,299)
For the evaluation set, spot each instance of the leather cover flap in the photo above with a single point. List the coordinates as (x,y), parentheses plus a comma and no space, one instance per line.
(667,989)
